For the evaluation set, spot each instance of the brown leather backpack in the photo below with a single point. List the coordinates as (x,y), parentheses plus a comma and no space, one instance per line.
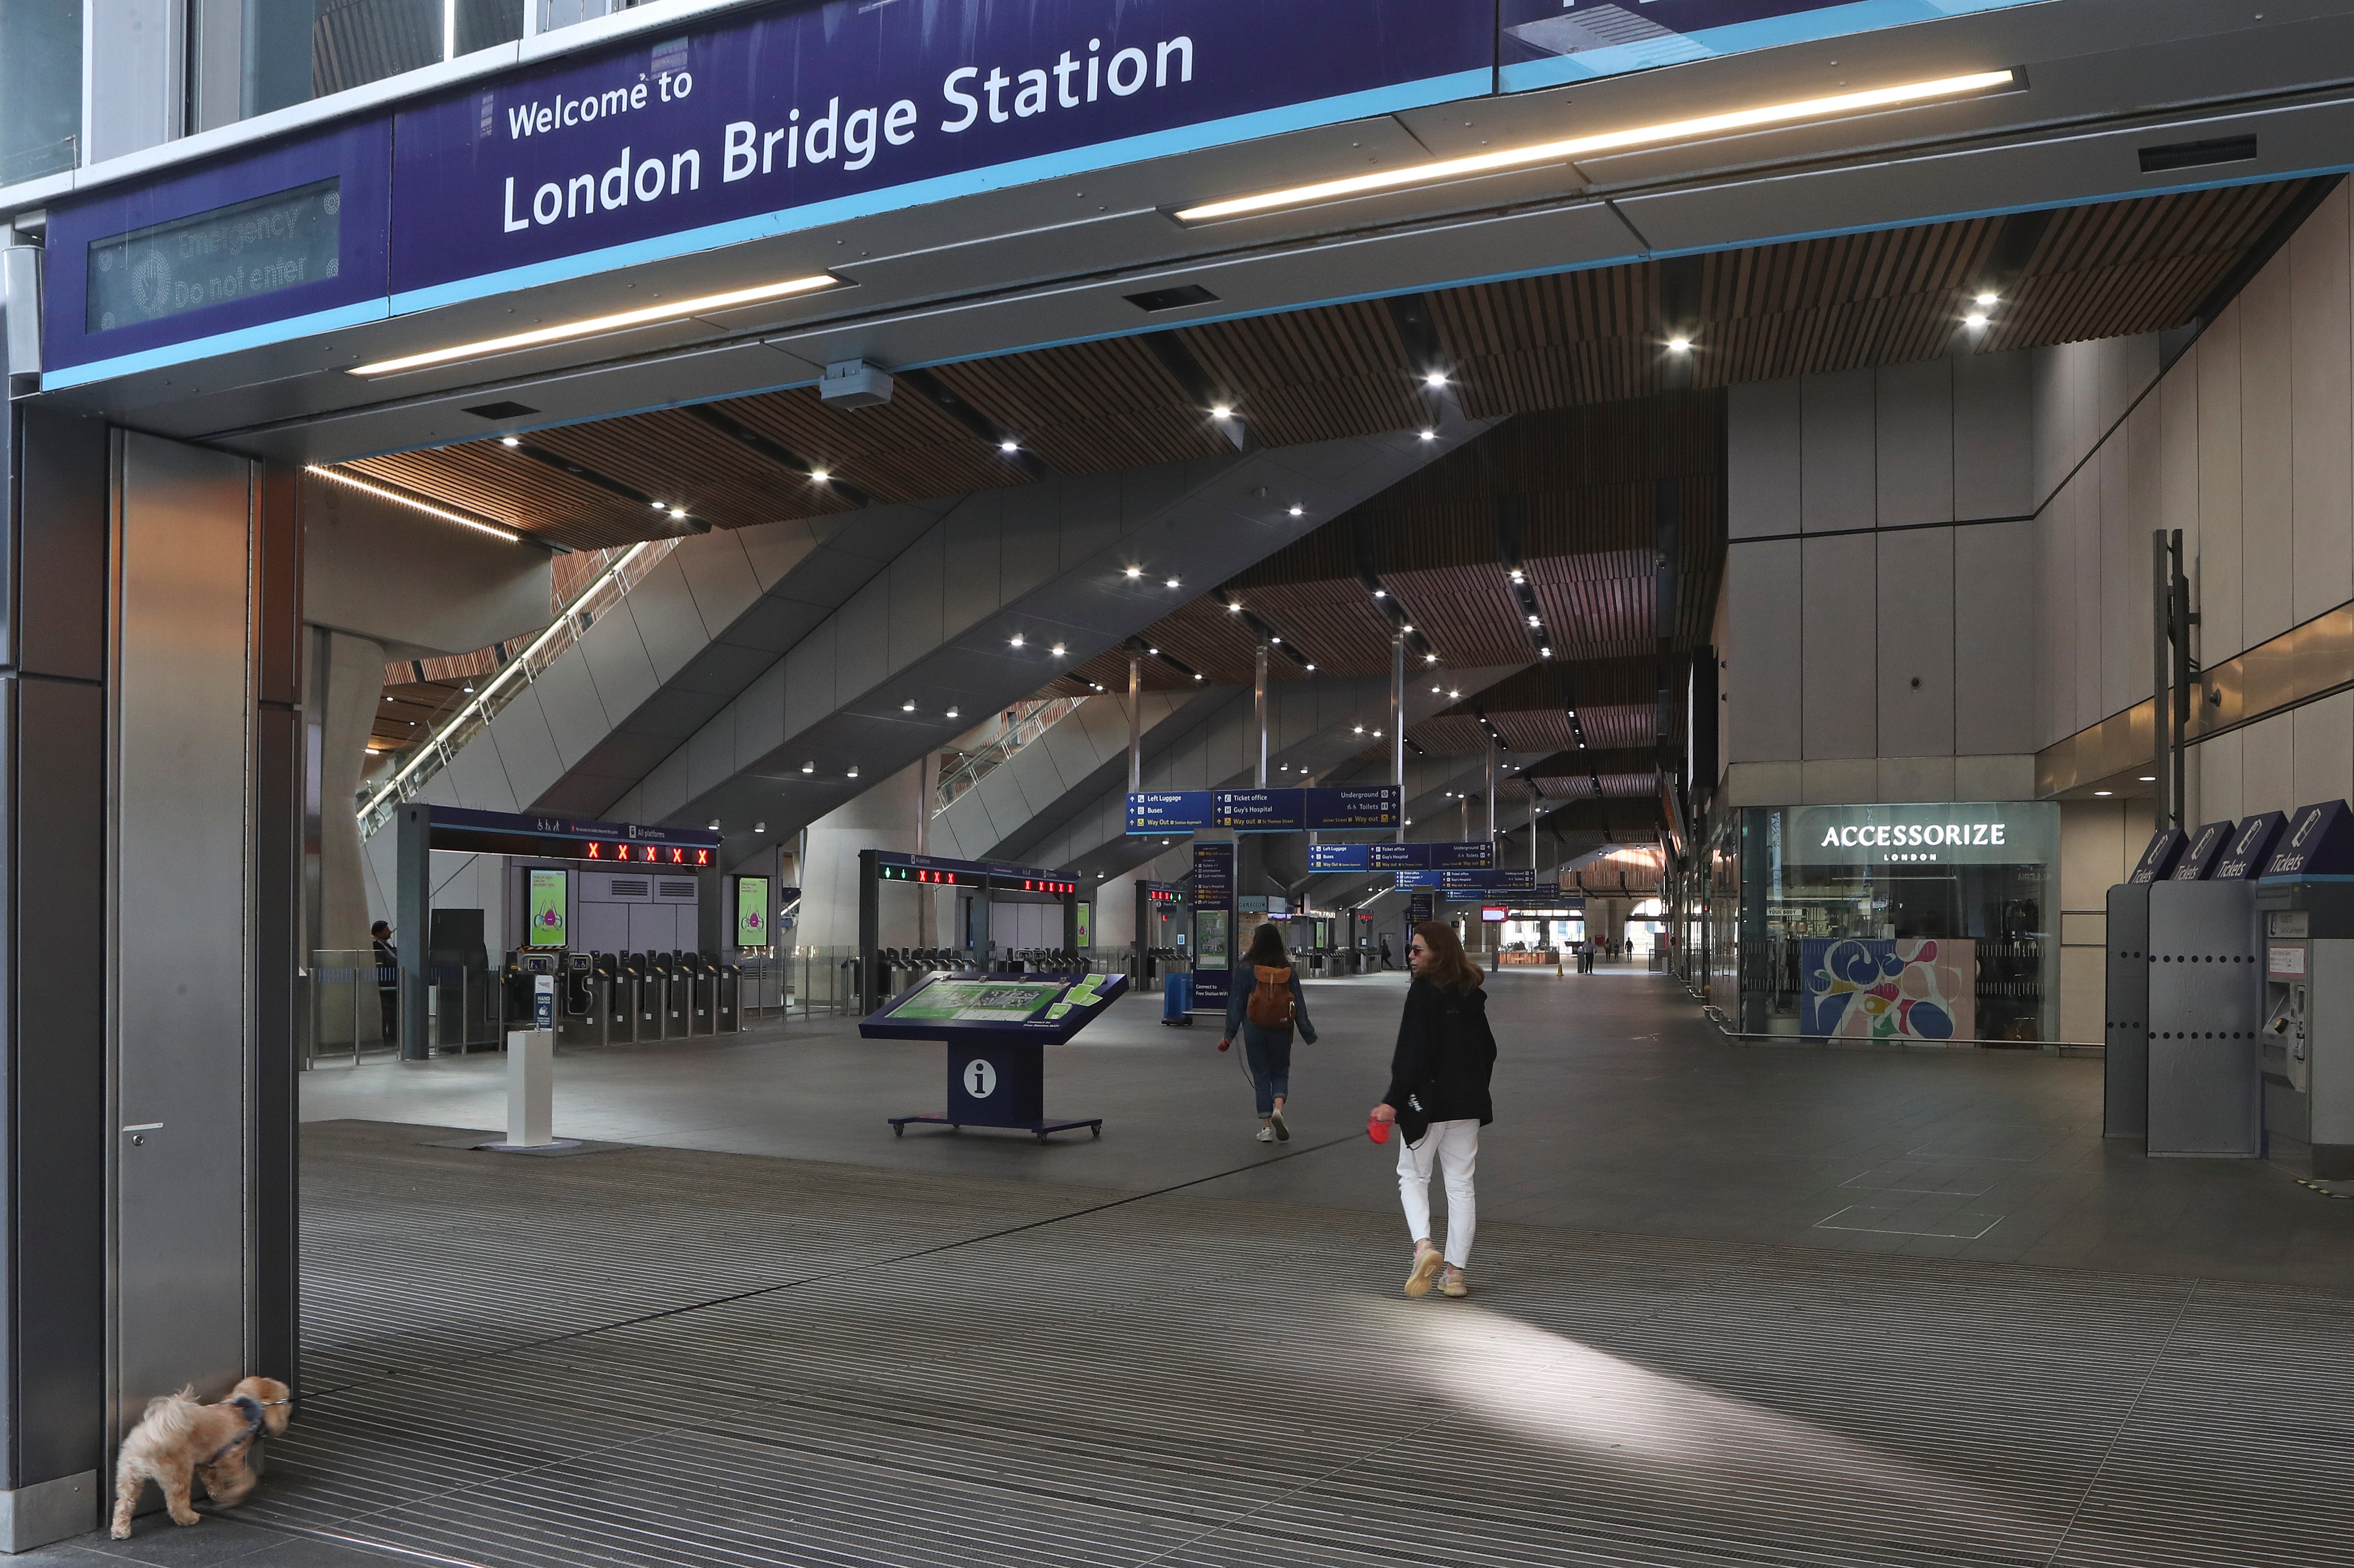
(1271,999)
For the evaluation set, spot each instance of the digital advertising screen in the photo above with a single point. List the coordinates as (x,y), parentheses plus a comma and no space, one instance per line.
(976,1001)
(752,912)
(1210,938)
(545,905)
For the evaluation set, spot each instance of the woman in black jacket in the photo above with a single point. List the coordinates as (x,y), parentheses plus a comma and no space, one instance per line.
(1438,1098)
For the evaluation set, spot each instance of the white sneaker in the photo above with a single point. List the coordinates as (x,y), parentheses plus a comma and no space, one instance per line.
(1282,1128)
(1266,1135)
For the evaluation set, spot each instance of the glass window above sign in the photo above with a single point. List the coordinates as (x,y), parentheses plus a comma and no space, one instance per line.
(234,252)
(1543,43)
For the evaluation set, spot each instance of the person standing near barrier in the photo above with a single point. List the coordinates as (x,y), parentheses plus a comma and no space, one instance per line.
(1387,962)
(1438,1098)
(1266,1005)
(387,977)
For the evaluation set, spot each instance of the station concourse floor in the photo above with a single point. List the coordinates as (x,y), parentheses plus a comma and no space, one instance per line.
(1732,1305)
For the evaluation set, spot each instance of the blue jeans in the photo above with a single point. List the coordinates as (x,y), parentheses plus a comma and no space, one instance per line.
(1269,1052)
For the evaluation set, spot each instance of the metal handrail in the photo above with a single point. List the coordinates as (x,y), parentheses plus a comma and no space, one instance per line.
(571,623)
(1030,720)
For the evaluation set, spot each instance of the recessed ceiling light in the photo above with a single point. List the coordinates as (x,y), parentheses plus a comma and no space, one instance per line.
(1408,629)
(589,327)
(853,773)
(1436,378)
(1058,650)
(386,493)
(907,708)
(1172,583)
(1454,693)
(1016,639)
(809,766)
(2100,791)
(509,441)
(1154,651)
(1975,319)
(1430,658)
(1233,604)
(952,712)
(820,475)
(1298,511)
(1679,345)
(2149,778)
(1562,152)
(1311,666)
(1430,435)
(678,512)
(1009,445)
(1544,652)
(1197,674)
(1988,297)
(1223,411)
(1134,572)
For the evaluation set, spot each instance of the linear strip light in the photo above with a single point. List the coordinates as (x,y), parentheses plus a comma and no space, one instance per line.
(592,325)
(512,670)
(509,534)
(1580,147)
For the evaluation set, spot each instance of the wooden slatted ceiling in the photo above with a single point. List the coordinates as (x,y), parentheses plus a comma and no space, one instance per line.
(677,459)
(906,450)
(1089,406)
(1314,374)
(1571,339)
(489,481)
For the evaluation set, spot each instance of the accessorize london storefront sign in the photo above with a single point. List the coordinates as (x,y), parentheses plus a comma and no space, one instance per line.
(1965,832)
(798,116)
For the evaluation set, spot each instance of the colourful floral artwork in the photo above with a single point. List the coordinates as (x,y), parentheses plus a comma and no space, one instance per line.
(1909,987)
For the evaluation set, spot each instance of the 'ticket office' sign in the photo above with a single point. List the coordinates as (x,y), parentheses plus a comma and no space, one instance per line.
(799,116)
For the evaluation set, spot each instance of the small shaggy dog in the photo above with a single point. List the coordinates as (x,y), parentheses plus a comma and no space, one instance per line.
(179,1439)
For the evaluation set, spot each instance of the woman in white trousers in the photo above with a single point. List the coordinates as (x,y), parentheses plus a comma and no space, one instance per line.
(1438,1098)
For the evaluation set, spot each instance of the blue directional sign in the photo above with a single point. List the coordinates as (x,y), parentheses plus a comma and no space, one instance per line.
(1258,811)
(1470,855)
(1169,811)
(1358,806)
(1470,884)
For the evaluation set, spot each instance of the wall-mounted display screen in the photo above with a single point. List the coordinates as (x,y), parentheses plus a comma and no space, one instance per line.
(544,905)
(234,252)
(752,912)
(1210,938)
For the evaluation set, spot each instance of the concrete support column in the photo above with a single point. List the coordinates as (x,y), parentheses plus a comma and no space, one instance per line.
(882,818)
(1259,714)
(1397,725)
(1135,723)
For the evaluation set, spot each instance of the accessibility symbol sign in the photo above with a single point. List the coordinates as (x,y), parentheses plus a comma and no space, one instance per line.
(979,1079)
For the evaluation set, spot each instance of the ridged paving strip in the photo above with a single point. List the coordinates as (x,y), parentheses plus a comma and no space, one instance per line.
(666,1357)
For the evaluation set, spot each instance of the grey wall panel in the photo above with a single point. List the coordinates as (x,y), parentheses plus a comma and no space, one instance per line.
(774,550)
(1995,663)
(710,756)
(774,624)
(527,750)
(2124,606)
(1763,432)
(810,680)
(1762,596)
(2221,602)
(604,927)
(2268,331)
(862,647)
(416,584)
(618,664)
(720,575)
(917,587)
(668,623)
(567,699)
(665,789)
(1914,407)
(1837,450)
(760,714)
(1839,643)
(481,779)
(1994,436)
(974,587)
(1915,652)
(2321,484)
(182,789)
(1090,516)
(1029,544)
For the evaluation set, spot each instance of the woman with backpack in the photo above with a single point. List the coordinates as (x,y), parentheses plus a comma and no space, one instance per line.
(1438,1098)
(1266,1004)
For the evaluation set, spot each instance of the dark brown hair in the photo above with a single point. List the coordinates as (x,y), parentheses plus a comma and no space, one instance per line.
(1266,946)
(1446,966)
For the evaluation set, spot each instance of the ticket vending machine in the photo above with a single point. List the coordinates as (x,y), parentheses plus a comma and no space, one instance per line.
(2307,1047)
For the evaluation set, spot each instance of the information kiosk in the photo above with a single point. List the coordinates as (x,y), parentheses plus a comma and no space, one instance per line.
(996,1028)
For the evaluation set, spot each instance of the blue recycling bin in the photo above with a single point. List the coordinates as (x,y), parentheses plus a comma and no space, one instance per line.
(1177,1001)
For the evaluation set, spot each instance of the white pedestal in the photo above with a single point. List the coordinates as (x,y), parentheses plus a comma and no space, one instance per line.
(531,1088)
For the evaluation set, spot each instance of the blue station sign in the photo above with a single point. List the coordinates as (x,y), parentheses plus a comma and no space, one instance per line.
(1470,854)
(1469,883)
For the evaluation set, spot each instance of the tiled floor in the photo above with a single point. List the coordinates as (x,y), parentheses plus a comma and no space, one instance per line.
(1736,1306)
